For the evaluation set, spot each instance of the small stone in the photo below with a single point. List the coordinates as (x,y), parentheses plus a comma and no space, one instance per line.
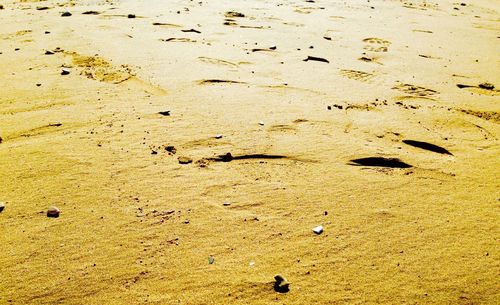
(261,123)
(211,259)
(131,16)
(219,136)
(65,71)
(1,139)
(185,160)
(281,284)
(66,14)
(53,212)
(227,157)
(226,203)
(165,113)
(171,149)
(273,47)
(318,230)
(49,52)
(2,206)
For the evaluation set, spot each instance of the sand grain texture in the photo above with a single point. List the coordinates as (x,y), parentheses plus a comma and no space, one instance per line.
(413,223)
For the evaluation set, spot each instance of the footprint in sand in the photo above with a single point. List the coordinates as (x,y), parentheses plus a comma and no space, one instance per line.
(357,75)
(376,44)
(415,91)
(97,68)
(215,61)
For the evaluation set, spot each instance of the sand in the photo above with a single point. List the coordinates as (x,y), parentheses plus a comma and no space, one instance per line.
(312,143)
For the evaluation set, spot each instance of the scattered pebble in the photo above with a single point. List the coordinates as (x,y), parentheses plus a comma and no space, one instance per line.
(219,136)
(261,123)
(185,160)
(165,113)
(131,16)
(53,212)
(65,71)
(2,206)
(273,47)
(281,284)
(226,203)
(318,230)
(66,14)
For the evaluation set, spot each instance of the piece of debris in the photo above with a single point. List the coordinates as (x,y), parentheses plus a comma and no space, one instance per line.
(65,71)
(261,123)
(1,139)
(211,259)
(2,206)
(185,160)
(273,47)
(281,285)
(313,58)
(66,14)
(218,136)
(49,52)
(164,113)
(318,230)
(53,212)
(130,16)
(226,203)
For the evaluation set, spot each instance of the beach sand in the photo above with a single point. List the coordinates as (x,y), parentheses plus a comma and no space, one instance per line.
(314,101)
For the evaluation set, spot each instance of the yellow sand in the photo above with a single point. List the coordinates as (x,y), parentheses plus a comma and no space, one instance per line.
(139,228)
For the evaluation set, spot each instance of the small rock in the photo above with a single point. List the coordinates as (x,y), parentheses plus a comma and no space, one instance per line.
(2,206)
(185,160)
(65,71)
(66,14)
(318,230)
(154,152)
(273,47)
(49,52)
(164,113)
(171,149)
(1,139)
(131,16)
(281,284)
(226,203)
(261,123)
(53,212)
(219,136)
(227,157)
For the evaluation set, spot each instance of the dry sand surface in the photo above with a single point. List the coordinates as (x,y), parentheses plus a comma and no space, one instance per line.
(378,120)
